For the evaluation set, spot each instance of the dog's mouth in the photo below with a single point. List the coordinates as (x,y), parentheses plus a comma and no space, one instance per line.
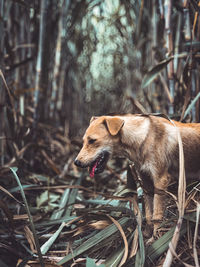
(99,164)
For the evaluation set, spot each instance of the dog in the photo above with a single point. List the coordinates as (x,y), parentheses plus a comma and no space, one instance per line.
(151,143)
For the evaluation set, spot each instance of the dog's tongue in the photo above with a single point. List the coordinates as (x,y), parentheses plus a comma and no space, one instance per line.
(93,169)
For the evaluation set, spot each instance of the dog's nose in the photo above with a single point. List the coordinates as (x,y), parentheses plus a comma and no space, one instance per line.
(78,163)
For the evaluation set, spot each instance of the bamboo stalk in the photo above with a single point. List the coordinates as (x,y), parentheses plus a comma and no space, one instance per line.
(55,84)
(197,92)
(39,61)
(2,91)
(64,63)
(154,25)
(193,92)
(169,45)
(186,28)
(161,9)
(177,42)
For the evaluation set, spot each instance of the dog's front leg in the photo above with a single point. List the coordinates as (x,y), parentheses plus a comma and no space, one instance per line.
(148,190)
(159,200)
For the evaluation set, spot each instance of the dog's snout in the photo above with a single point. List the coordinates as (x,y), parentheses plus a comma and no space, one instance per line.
(78,163)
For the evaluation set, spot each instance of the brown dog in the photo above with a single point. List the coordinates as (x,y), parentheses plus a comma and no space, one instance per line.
(151,143)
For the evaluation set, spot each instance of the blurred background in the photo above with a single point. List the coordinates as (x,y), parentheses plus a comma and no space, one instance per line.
(65,61)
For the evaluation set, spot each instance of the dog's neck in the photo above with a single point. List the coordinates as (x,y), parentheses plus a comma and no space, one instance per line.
(133,134)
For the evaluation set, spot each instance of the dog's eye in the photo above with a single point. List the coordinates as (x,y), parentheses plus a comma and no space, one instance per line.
(91,141)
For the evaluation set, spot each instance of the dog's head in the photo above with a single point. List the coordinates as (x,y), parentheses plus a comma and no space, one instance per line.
(99,141)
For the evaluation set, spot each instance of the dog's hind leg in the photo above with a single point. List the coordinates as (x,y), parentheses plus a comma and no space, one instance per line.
(159,200)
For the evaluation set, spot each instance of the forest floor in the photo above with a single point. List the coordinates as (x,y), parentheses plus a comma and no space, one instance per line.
(52,214)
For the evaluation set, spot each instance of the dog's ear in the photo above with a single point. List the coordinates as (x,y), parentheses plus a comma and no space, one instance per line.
(114,125)
(93,118)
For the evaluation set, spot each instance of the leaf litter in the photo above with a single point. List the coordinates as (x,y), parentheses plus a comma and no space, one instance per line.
(74,220)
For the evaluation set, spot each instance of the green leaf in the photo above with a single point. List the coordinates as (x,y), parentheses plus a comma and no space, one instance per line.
(17,188)
(153,73)
(46,197)
(63,202)
(46,246)
(138,260)
(161,245)
(57,221)
(192,104)
(140,256)
(39,177)
(114,202)
(94,240)
(14,171)
(72,198)
(91,263)
(192,44)
(114,259)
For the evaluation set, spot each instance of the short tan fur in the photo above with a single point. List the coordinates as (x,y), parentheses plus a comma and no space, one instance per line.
(151,143)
